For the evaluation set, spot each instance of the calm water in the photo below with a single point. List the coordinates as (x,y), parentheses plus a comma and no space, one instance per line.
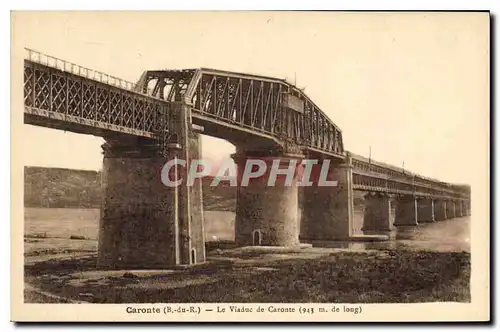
(448,235)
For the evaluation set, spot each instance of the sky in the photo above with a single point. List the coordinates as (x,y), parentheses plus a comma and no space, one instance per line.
(412,87)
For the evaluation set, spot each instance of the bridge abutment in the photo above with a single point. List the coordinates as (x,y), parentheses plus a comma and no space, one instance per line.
(406,211)
(425,210)
(377,214)
(327,211)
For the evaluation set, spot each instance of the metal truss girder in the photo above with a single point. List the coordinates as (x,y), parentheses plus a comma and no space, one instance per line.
(373,176)
(256,102)
(251,101)
(48,117)
(59,95)
(204,118)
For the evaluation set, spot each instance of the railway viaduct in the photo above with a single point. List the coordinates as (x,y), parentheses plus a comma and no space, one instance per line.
(145,224)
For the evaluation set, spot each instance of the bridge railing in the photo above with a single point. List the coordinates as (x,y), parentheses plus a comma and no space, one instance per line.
(70,67)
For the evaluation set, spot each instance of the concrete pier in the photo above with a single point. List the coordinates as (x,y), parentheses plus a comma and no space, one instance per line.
(425,210)
(406,211)
(327,212)
(377,214)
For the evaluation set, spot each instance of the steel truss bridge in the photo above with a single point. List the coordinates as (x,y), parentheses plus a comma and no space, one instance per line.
(63,95)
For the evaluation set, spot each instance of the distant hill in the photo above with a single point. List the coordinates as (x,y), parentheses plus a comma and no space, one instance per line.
(61,188)
(70,188)
(218,198)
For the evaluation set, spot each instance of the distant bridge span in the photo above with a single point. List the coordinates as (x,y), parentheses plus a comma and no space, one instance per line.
(162,114)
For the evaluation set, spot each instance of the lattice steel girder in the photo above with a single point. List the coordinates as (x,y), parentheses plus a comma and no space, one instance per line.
(371,175)
(59,96)
(263,104)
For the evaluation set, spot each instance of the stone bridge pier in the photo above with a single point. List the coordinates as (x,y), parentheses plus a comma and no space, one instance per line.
(145,224)
(271,215)
(136,229)
(440,210)
(406,211)
(450,209)
(267,214)
(467,207)
(459,209)
(327,211)
(377,213)
(425,210)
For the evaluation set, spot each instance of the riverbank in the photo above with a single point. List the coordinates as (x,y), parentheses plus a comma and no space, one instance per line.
(427,263)
(249,275)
